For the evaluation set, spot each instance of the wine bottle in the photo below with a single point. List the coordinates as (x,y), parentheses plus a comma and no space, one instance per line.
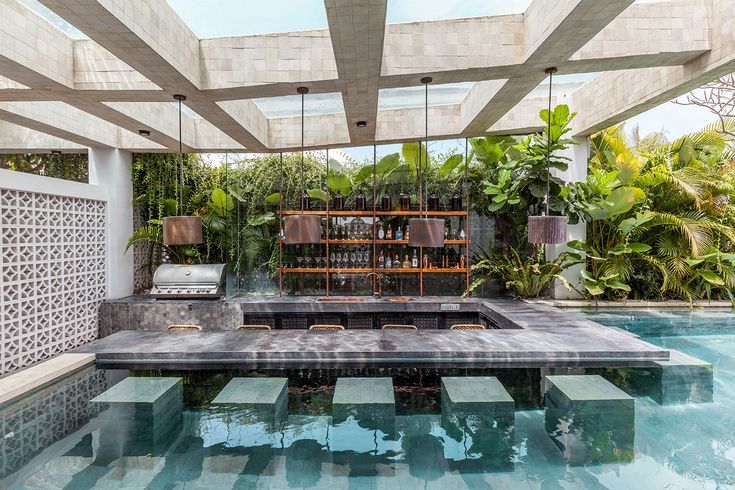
(387,202)
(415,260)
(381,231)
(381,259)
(388,261)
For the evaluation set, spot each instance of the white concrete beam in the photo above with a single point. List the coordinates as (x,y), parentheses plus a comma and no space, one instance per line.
(149,37)
(19,139)
(553,31)
(357,31)
(614,97)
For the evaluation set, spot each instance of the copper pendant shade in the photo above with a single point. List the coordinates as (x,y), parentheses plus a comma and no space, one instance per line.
(426,232)
(182,230)
(548,229)
(302,228)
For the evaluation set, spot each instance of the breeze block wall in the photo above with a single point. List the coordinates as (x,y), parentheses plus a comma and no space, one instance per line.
(52,268)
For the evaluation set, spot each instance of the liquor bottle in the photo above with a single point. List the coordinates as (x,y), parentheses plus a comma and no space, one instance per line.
(408,233)
(388,261)
(404,201)
(387,202)
(456,202)
(432,203)
(399,233)
(389,232)
(304,201)
(381,231)
(426,261)
(360,202)
(406,262)
(415,260)
(338,203)
(397,260)
(381,259)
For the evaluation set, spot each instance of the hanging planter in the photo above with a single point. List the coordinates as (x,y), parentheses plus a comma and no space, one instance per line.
(548,229)
(182,230)
(425,232)
(302,228)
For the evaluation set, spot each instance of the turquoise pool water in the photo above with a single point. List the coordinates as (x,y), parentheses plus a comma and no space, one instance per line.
(57,439)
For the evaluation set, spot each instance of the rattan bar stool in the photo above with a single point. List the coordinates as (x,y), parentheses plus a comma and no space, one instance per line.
(467,326)
(326,327)
(184,328)
(253,327)
(399,327)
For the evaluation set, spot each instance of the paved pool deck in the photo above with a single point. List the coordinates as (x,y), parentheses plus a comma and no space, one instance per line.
(530,335)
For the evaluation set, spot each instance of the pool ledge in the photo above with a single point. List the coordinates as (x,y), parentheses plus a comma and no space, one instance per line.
(19,384)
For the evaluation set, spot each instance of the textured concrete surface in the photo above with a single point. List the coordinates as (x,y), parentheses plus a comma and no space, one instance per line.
(100,91)
(19,383)
(359,391)
(139,390)
(529,335)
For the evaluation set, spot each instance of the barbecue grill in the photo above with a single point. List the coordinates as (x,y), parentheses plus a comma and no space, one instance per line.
(175,281)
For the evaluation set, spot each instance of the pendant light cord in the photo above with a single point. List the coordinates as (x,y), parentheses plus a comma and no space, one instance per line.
(181,168)
(548,148)
(303,186)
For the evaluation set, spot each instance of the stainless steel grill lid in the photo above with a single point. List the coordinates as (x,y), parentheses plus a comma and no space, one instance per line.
(188,281)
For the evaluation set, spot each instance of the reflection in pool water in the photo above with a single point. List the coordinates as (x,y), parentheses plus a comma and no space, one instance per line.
(57,439)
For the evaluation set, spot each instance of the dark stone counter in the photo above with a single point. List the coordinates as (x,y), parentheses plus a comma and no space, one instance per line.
(525,335)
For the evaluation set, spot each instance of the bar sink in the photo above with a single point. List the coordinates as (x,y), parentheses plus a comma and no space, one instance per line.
(330,299)
(398,299)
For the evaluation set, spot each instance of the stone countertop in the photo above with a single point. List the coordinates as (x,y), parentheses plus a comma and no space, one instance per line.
(530,334)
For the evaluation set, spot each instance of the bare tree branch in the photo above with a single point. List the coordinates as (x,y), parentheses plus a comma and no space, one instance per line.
(718,96)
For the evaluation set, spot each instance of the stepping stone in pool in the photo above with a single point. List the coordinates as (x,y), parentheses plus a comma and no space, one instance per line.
(681,379)
(144,415)
(266,399)
(479,409)
(589,419)
(364,425)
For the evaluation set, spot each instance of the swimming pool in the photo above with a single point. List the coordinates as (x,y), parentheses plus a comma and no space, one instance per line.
(56,438)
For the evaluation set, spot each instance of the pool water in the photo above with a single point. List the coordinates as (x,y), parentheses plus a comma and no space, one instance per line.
(58,439)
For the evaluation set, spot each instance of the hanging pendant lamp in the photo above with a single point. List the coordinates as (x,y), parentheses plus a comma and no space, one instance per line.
(425,232)
(547,229)
(181,230)
(303,228)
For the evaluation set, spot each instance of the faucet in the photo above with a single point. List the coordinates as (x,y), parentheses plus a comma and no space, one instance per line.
(378,290)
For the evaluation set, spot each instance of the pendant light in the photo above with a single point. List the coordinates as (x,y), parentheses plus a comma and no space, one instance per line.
(303,228)
(181,230)
(547,229)
(425,232)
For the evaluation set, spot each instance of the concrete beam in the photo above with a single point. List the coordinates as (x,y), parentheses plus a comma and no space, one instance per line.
(552,32)
(357,31)
(149,37)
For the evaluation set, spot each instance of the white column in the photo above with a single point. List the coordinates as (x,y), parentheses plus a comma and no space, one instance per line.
(112,169)
(576,172)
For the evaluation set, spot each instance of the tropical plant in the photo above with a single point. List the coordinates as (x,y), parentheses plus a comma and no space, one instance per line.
(524,277)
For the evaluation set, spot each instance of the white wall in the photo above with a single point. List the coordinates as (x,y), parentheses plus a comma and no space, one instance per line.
(111,169)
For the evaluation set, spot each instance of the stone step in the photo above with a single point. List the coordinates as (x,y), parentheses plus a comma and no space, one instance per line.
(478,408)
(682,379)
(589,419)
(264,398)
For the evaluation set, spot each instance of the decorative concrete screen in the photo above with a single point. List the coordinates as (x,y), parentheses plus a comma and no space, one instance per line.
(52,272)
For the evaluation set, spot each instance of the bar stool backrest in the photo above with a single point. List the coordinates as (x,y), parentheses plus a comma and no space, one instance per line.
(326,327)
(467,326)
(253,327)
(399,327)
(184,328)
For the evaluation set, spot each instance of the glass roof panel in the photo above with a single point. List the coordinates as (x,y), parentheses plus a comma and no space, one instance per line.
(290,105)
(425,10)
(448,93)
(563,84)
(54,19)
(225,18)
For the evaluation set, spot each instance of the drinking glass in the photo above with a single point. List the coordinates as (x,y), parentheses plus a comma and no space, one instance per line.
(331,259)
(299,259)
(308,261)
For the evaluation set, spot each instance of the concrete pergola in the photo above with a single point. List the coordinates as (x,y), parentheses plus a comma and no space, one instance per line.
(59,93)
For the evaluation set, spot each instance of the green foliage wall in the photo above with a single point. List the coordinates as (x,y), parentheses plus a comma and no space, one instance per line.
(67,166)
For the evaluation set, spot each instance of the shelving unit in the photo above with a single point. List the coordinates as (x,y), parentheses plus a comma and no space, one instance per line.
(374,242)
